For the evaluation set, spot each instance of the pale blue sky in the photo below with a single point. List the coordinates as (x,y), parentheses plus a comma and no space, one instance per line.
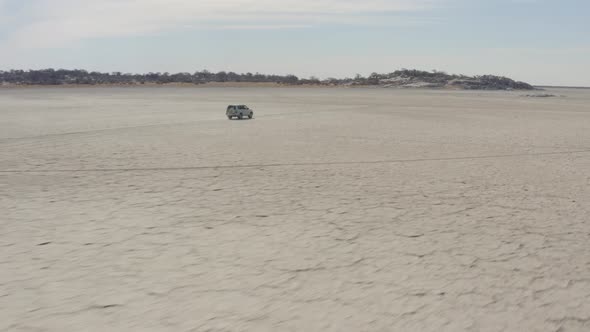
(539,41)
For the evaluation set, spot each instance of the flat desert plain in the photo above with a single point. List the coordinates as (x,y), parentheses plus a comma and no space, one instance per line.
(145,209)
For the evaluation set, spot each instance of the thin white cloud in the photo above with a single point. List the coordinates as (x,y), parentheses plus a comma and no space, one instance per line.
(61,22)
(3,12)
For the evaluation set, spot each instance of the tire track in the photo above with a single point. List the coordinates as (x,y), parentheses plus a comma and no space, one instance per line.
(301,164)
(155,125)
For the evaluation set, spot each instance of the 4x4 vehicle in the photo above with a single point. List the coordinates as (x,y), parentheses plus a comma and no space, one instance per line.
(239,111)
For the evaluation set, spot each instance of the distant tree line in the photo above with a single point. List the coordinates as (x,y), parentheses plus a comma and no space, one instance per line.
(63,76)
(396,78)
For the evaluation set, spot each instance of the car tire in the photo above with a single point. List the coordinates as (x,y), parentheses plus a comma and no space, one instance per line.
(229,117)
(250,115)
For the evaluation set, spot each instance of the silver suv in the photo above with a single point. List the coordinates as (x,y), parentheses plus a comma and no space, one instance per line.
(239,111)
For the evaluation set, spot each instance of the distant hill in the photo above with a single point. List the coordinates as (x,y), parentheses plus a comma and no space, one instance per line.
(398,79)
(407,78)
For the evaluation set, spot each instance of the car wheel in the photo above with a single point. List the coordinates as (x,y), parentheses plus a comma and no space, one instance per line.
(250,115)
(239,116)
(230,117)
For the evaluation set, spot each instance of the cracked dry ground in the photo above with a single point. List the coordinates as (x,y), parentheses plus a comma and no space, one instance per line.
(339,210)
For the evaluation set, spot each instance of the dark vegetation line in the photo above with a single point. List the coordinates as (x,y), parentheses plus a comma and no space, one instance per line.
(400,78)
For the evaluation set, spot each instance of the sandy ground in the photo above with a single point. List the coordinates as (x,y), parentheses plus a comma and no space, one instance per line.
(334,210)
